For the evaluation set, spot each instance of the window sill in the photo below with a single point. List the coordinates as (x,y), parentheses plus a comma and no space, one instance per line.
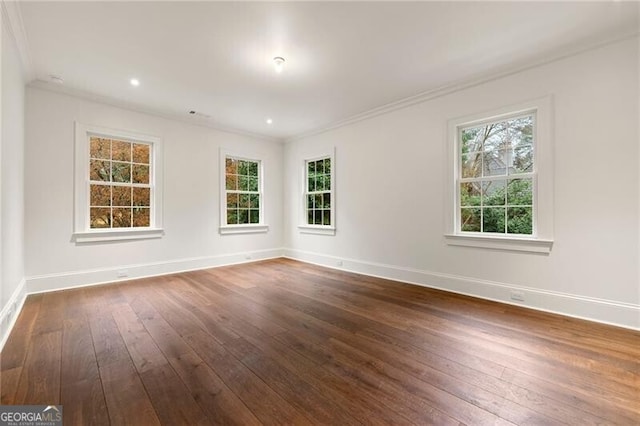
(317,229)
(243,229)
(524,244)
(116,235)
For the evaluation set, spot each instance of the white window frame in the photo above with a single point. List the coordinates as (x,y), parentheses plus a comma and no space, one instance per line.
(541,241)
(245,228)
(303,226)
(82,231)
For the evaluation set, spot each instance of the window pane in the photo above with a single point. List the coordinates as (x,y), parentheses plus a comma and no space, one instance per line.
(519,220)
(470,219)
(496,137)
(326,217)
(327,166)
(142,197)
(520,192)
(317,203)
(327,183)
(253,184)
(231,166)
(121,172)
(232,217)
(121,195)
(243,216)
(232,182)
(493,193)
(141,217)
(494,163)
(254,200)
(521,159)
(471,140)
(470,193)
(310,199)
(310,217)
(232,201)
(140,173)
(253,169)
(254,216)
(141,153)
(100,195)
(319,183)
(100,148)
(311,182)
(311,168)
(317,217)
(327,200)
(320,167)
(471,164)
(243,168)
(100,218)
(243,183)
(99,170)
(122,217)
(244,201)
(493,219)
(120,151)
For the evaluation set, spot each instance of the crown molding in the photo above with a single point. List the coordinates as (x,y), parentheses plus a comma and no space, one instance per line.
(106,100)
(12,18)
(462,85)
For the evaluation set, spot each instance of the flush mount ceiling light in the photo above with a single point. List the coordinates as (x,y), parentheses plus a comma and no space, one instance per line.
(269,121)
(134,82)
(278,63)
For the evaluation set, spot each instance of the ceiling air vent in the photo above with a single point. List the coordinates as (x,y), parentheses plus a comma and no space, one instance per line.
(199,115)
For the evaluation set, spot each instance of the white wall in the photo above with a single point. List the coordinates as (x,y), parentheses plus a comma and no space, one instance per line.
(191,197)
(11,181)
(390,173)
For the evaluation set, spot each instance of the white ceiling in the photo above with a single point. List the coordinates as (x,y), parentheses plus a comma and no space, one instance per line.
(342,58)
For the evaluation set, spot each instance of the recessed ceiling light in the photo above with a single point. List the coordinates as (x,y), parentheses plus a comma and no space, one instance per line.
(134,82)
(269,121)
(278,62)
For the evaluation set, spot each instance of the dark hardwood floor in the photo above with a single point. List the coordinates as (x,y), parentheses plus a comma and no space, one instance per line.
(283,342)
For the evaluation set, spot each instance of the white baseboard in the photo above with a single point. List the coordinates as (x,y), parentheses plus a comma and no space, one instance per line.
(67,280)
(620,314)
(11,310)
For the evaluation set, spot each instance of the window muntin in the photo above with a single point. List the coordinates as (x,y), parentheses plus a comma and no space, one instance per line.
(318,192)
(120,184)
(243,194)
(496,176)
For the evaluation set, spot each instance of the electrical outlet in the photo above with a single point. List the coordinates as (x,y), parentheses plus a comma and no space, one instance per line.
(123,273)
(247,256)
(517,295)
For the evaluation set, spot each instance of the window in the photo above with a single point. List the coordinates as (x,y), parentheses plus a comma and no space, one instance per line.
(501,177)
(496,176)
(318,199)
(318,193)
(116,185)
(242,209)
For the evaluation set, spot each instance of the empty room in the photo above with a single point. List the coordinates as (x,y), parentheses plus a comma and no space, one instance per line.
(331,213)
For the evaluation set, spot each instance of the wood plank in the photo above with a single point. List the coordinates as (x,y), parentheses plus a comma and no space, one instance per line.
(126,397)
(219,403)
(9,380)
(40,378)
(81,390)
(264,402)
(170,397)
(15,349)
